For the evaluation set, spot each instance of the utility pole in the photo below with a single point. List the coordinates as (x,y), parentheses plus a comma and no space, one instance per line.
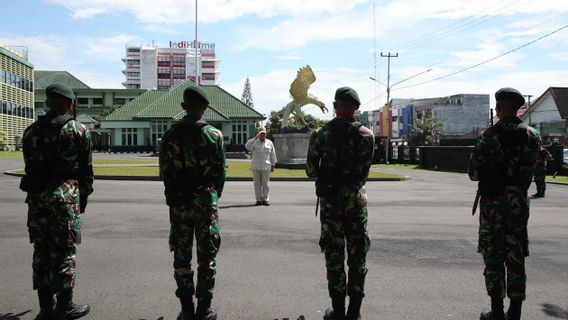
(388,56)
(528,96)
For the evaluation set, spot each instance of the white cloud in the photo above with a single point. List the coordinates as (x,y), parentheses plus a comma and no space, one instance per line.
(88,58)
(291,56)
(563,55)
(183,11)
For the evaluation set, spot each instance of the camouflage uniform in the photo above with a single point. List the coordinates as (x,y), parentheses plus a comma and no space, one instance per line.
(503,162)
(192,165)
(540,171)
(59,174)
(341,153)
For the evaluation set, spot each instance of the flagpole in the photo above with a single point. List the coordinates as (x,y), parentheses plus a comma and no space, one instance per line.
(196,44)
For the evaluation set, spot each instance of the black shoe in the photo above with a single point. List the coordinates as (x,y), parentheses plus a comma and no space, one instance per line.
(187,308)
(490,316)
(258,203)
(354,309)
(265,203)
(537,195)
(66,309)
(331,314)
(514,312)
(46,304)
(204,311)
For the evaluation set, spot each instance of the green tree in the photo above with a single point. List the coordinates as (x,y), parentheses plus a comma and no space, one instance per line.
(421,133)
(274,123)
(2,140)
(246,98)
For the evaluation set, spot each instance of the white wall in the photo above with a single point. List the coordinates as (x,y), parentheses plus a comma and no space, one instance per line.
(148,68)
(545,112)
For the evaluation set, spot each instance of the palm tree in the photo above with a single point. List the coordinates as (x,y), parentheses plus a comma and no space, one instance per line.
(421,131)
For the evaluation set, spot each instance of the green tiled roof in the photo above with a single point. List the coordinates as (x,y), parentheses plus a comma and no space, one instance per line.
(166,105)
(128,111)
(44,78)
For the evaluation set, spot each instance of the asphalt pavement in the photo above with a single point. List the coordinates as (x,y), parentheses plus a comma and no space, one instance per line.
(422,263)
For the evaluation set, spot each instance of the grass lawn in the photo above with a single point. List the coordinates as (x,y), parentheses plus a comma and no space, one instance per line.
(559,179)
(235,169)
(397,166)
(123,161)
(11,155)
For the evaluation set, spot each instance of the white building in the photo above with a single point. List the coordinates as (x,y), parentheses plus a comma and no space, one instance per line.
(152,67)
(549,113)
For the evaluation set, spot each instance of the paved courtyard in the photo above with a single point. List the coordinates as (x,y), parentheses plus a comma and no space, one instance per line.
(422,264)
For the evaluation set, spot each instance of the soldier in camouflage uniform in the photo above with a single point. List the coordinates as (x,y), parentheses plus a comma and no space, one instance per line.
(503,161)
(339,156)
(540,172)
(58,180)
(192,166)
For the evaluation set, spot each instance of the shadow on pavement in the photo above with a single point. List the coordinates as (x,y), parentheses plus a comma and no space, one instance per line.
(11,316)
(160,318)
(554,311)
(237,206)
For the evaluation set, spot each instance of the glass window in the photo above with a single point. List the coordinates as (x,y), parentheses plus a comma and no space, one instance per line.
(83,101)
(4,76)
(98,101)
(129,136)
(119,101)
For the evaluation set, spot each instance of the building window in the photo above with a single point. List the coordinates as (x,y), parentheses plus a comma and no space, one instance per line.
(134,50)
(129,136)
(208,76)
(131,63)
(133,74)
(119,101)
(97,101)
(240,132)
(157,130)
(82,102)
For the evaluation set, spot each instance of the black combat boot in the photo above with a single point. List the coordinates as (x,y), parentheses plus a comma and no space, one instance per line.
(337,310)
(354,309)
(496,312)
(514,312)
(46,303)
(187,308)
(66,309)
(204,310)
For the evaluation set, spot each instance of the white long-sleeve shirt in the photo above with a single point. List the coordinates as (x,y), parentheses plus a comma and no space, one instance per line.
(263,154)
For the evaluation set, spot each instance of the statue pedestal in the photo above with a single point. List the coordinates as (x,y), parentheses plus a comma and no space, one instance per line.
(291,149)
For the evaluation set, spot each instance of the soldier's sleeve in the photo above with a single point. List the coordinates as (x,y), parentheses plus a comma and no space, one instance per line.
(474,159)
(218,162)
(313,157)
(85,175)
(166,158)
(365,156)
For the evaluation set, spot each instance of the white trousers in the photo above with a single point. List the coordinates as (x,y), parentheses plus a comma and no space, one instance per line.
(261,189)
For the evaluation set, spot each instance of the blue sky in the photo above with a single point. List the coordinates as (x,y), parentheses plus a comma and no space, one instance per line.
(268,40)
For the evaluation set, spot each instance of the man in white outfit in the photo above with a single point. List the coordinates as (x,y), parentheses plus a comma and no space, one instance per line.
(263,161)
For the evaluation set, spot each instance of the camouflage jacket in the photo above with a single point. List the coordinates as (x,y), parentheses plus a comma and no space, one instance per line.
(58,159)
(192,158)
(504,155)
(343,152)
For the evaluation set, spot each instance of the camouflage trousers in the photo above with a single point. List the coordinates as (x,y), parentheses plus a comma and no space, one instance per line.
(503,242)
(55,231)
(540,183)
(201,219)
(344,221)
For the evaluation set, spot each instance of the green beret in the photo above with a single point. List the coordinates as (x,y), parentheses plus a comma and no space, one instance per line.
(510,94)
(347,94)
(193,93)
(59,90)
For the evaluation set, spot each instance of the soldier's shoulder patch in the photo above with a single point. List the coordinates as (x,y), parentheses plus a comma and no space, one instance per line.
(365,132)
(213,132)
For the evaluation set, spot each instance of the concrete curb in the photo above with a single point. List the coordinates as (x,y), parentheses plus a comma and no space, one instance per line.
(153,178)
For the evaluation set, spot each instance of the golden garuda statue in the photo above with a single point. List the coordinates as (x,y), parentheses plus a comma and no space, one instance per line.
(299,92)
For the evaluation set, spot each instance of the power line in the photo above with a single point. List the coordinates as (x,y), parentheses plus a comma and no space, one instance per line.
(486,61)
(455,27)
